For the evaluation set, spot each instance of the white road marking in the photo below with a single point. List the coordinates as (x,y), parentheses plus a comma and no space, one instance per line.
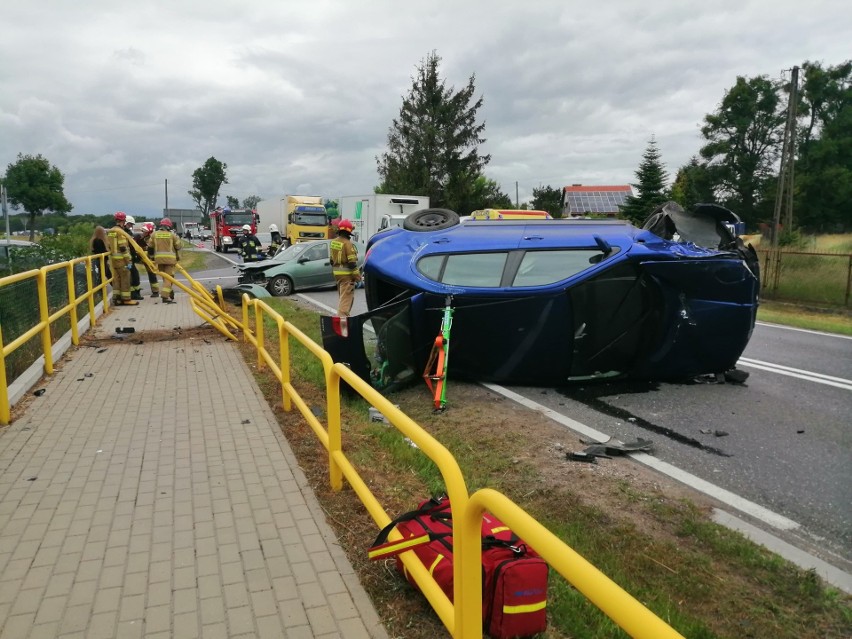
(725,496)
(819,378)
(804,330)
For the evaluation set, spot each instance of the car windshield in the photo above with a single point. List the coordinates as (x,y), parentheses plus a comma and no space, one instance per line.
(292,253)
(238,218)
(311,219)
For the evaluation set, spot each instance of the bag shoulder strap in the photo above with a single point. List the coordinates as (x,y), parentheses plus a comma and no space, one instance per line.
(382,548)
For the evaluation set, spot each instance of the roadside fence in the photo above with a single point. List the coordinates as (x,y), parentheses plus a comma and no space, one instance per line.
(819,278)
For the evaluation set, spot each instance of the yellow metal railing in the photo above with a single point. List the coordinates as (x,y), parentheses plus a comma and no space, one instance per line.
(464,619)
(46,319)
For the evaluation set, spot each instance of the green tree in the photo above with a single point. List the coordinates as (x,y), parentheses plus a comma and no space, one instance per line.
(331,207)
(251,202)
(206,182)
(546,198)
(743,142)
(823,188)
(35,185)
(433,144)
(232,202)
(693,185)
(481,193)
(651,186)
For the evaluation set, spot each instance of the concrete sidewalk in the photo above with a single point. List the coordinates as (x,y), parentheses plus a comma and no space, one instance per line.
(149,492)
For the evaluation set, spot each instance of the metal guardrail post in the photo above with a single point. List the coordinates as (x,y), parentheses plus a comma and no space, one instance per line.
(44,316)
(5,409)
(616,603)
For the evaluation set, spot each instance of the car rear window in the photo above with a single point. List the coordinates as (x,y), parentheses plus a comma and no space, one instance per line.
(546,267)
(485,270)
(472,269)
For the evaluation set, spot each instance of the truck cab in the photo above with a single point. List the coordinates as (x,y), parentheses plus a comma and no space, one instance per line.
(227,226)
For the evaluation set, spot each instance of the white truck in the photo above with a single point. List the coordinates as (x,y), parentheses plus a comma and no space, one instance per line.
(373,213)
(299,218)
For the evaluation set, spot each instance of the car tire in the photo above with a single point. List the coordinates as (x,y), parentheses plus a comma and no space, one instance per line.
(280,286)
(430,220)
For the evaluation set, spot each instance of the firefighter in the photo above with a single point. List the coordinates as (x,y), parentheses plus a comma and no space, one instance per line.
(344,264)
(135,288)
(166,255)
(275,240)
(147,243)
(120,260)
(249,245)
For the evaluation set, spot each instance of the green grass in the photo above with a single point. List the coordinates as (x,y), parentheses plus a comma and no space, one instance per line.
(829,321)
(703,579)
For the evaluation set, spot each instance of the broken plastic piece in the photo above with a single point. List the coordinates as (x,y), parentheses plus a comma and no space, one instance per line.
(736,376)
(581,456)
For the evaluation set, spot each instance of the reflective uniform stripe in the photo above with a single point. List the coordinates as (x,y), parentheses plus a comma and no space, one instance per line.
(518,610)
(117,244)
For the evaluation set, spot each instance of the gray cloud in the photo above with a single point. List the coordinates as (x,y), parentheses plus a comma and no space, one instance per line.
(298,96)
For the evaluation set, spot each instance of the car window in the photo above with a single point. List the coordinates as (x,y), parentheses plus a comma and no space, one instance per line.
(318,252)
(471,269)
(546,267)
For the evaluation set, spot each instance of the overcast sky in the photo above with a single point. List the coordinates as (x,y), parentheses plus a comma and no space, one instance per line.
(297,97)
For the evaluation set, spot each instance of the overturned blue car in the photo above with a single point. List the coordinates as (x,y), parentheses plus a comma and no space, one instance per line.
(550,302)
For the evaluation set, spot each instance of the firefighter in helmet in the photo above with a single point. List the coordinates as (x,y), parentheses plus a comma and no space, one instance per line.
(249,245)
(120,261)
(135,288)
(166,255)
(274,240)
(146,241)
(344,264)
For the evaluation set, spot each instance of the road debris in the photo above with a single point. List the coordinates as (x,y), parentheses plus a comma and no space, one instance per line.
(610,448)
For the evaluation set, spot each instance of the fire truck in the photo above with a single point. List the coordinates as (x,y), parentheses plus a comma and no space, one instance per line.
(227,226)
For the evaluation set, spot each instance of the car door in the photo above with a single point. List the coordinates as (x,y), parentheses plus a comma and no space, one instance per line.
(316,267)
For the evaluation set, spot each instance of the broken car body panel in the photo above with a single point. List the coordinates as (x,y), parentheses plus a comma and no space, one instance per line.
(554,301)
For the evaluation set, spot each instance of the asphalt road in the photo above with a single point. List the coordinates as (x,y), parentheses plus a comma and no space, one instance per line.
(781,439)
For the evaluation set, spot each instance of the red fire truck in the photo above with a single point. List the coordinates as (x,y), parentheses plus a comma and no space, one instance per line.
(227,224)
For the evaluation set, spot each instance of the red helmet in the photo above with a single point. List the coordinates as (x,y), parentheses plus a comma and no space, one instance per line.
(120,216)
(148,227)
(345,225)
(166,222)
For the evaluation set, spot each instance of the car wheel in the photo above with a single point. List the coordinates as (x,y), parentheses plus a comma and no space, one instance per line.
(280,285)
(430,220)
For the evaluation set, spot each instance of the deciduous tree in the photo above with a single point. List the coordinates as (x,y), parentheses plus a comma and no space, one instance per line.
(693,185)
(823,193)
(251,202)
(433,146)
(35,185)
(206,182)
(743,142)
(546,198)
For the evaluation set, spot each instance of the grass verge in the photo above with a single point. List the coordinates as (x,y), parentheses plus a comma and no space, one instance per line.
(703,579)
(818,319)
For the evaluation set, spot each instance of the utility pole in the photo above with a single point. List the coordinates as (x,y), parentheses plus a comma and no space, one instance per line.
(517,203)
(784,195)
